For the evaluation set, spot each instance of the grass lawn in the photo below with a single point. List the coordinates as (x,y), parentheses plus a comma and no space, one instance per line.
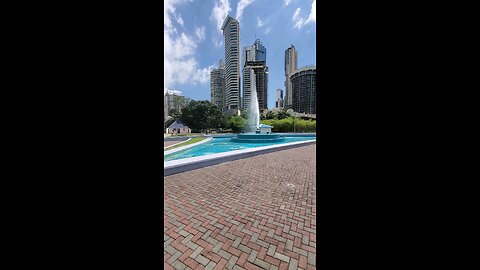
(192,140)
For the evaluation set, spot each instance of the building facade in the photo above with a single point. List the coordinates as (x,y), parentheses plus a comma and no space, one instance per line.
(291,60)
(174,101)
(231,32)
(279,99)
(304,90)
(165,106)
(217,86)
(255,58)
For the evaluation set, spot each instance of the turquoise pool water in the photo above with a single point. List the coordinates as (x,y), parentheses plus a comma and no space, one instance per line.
(219,145)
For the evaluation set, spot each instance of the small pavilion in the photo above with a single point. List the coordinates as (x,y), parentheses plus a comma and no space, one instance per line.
(264,129)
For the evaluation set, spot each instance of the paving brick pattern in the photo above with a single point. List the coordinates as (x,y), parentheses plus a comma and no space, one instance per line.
(253,213)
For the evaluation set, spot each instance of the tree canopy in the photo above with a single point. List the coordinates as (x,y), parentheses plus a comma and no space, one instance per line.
(202,115)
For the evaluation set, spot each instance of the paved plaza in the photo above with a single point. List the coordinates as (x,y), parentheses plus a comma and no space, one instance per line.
(168,143)
(252,213)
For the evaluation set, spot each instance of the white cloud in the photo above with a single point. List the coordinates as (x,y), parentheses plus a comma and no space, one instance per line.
(267,30)
(296,14)
(217,41)
(313,13)
(180,20)
(172,92)
(242,4)
(202,75)
(259,22)
(180,66)
(286,2)
(299,22)
(200,33)
(220,12)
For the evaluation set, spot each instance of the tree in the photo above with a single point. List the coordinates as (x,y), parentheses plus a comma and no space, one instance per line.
(215,118)
(201,116)
(244,114)
(175,113)
(179,101)
(282,115)
(269,115)
(236,123)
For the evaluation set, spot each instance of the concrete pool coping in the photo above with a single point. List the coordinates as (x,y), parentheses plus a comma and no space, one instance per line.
(186,146)
(287,134)
(187,164)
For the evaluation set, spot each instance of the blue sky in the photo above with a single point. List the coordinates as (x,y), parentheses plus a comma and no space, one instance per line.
(193,41)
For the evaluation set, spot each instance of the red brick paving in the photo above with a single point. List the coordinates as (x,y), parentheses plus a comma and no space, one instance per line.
(243,214)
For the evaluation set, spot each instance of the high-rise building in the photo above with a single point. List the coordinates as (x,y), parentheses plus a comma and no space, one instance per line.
(231,32)
(166,102)
(304,90)
(291,58)
(173,100)
(255,58)
(217,86)
(256,52)
(279,99)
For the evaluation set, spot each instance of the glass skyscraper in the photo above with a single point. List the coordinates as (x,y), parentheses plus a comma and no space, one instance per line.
(255,58)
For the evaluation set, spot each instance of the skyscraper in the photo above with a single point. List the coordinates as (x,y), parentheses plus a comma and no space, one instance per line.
(231,32)
(304,90)
(255,58)
(279,99)
(217,86)
(291,59)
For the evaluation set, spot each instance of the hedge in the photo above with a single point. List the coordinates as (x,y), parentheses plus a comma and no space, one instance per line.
(287,125)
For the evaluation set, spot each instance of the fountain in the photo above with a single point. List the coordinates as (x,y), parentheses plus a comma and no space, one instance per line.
(256,132)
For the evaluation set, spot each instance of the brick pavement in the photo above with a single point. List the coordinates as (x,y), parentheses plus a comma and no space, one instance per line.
(253,213)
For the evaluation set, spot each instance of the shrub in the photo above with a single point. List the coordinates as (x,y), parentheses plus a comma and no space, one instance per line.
(287,125)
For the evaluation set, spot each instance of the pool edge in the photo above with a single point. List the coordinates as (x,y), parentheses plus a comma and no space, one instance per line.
(179,166)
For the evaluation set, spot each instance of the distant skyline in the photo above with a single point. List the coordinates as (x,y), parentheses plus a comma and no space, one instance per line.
(193,40)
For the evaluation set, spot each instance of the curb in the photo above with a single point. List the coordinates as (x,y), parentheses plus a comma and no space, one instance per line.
(186,146)
(188,164)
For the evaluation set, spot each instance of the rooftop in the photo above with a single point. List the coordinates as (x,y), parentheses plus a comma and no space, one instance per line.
(177,124)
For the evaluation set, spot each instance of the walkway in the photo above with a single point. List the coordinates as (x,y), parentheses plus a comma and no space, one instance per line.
(174,141)
(253,213)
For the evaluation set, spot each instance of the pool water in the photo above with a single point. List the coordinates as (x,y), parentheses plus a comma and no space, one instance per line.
(220,145)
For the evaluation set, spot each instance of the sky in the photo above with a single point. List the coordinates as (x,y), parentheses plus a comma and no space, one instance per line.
(194,42)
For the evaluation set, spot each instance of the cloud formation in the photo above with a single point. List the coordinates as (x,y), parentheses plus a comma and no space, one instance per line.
(179,50)
(286,2)
(313,13)
(172,92)
(220,12)
(180,20)
(200,33)
(259,22)
(299,22)
(242,4)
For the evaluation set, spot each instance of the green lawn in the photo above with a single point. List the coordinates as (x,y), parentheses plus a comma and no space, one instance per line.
(192,140)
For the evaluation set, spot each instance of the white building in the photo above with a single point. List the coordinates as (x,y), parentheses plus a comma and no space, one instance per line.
(231,32)
(178,128)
